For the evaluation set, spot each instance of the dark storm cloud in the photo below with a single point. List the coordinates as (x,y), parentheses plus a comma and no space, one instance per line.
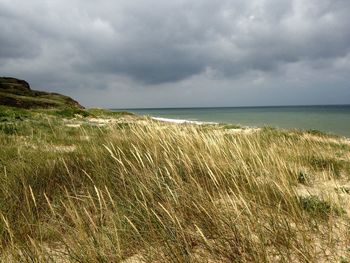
(150,65)
(154,42)
(16,39)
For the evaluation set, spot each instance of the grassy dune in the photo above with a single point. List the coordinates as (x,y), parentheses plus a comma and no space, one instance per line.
(17,93)
(118,188)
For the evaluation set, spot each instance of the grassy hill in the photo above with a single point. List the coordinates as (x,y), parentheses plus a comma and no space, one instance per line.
(112,187)
(17,93)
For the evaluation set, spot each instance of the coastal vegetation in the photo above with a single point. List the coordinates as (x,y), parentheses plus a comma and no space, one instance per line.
(17,93)
(90,185)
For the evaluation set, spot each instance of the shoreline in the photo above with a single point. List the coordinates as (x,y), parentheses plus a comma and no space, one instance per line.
(181,121)
(344,139)
(331,119)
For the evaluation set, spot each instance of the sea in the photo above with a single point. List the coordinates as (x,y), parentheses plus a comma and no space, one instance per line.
(333,119)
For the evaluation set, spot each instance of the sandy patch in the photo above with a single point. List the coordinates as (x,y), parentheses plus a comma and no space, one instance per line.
(242,131)
(327,140)
(62,148)
(336,191)
(100,120)
(53,148)
(134,259)
(179,121)
(73,125)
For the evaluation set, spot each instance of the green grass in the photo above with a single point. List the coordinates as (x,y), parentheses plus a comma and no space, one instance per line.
(303,178)
(231,126)
(327,163)
(10,114)
(138,189)
(108,113)
(318,207)
(71,112)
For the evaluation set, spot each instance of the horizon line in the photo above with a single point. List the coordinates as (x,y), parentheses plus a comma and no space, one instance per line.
(223,107)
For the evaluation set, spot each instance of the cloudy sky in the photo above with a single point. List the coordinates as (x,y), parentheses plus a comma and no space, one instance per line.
(178,53)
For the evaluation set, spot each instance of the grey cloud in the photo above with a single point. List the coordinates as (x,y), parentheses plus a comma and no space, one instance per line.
(16,40)
(156,43)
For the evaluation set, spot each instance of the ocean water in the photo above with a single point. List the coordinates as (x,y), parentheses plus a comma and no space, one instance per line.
(331,119)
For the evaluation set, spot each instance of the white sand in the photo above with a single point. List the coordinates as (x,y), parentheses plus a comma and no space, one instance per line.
(179,121)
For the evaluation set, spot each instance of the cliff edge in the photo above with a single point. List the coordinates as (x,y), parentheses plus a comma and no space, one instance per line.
(18,93)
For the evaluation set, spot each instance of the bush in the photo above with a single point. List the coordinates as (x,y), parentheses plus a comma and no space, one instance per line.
(322,163)
(8,128)
(303,178)
(10,113)
(317,207)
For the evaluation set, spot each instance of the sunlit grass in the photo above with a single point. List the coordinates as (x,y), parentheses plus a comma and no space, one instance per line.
(153,192)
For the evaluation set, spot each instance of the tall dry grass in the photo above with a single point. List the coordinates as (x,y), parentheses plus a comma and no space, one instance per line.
(172,193)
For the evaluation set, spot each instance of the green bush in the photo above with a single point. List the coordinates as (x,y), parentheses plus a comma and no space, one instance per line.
(107,113)
(315,206)
(316,132)
(303,178)
(10,113)
(322,163)
(8,128)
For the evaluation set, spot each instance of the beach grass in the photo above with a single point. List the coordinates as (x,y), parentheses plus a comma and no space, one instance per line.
(113,187)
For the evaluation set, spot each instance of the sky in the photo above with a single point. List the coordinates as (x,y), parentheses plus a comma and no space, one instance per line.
(180,53)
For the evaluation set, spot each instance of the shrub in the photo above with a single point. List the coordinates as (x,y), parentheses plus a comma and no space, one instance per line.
(303,178)
(8,128)
(317,207)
